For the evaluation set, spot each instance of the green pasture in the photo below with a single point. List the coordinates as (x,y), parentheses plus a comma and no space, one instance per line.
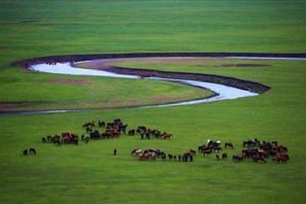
(89,172)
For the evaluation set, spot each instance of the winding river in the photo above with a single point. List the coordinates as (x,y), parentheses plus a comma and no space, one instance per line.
(222,92)
(225,91)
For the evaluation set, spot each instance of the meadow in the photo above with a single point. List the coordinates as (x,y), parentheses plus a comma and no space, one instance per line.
(90,172)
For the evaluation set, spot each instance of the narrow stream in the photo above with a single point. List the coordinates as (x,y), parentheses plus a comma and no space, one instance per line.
(222,92)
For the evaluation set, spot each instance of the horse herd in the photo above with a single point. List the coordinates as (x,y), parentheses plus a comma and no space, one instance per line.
(252,149)
(105,130)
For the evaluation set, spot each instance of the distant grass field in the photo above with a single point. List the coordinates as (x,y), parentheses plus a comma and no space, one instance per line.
(90,173)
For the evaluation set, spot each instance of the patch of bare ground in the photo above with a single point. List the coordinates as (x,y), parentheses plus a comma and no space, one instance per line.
(211,62)
(99,63)
(175,60)
(106,63)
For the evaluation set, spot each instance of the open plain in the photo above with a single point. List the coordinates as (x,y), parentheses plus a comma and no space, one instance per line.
(90,172)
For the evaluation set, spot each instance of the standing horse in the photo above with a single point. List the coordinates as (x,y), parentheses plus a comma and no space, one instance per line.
(32,151)
(25,152)
(228,145)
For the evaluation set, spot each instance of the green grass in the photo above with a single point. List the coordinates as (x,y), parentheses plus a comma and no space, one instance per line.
(68,92)
(90,173)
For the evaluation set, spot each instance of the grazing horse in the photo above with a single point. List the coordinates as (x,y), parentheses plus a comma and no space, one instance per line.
(141,129)
(89,124)
(201,148)
(257,158)
(122,128)
(89,129)
(282,148)
(131,132)
(170,157)
(228,145)
(188,156)
(282,157)
(217,149)
(143,156)
(86,139)
(57,142)
(101,123)
(251,143)
(136,151)
(94,135)
(32,151)
(148,136)
(25,152)
(193,152)
(166,135)
(237,158)
(206,151)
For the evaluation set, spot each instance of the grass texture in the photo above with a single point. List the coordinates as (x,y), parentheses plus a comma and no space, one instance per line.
(90,173)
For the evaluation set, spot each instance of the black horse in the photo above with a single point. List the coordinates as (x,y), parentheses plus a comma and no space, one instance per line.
(32,151)
(25,152)
(237,158)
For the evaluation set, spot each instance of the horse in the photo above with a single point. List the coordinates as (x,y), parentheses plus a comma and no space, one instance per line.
(122,128)
(217,149)
(284,157)
(193,152)
(251,143)
(131,132)
(237,158)
(228,145)
(213,143)
(141,129)
(148,136)
(44,140)
(224,155)
(101,123)
(89,129)
(86,139)
(201,148)
(57,142)
(136,151)
(32,151)
(143,156)
(25,152)
(257,158)
(89,124)
(166,135)
(206,151)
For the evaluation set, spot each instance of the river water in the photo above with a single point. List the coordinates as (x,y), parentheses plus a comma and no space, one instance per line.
(222,92)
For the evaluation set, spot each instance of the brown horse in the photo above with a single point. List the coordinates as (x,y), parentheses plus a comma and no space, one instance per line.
(257,158)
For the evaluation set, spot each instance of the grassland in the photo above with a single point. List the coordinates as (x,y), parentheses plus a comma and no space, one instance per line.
(90,173)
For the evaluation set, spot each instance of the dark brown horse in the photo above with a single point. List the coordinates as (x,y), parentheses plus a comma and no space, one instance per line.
(257,158)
